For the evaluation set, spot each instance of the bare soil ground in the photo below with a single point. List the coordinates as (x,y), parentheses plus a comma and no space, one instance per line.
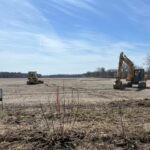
(83,113)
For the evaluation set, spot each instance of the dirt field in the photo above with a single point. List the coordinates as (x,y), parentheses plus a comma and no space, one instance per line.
(91,90)
(83,113)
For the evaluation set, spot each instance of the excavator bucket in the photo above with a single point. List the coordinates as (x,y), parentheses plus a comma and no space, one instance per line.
(118,85)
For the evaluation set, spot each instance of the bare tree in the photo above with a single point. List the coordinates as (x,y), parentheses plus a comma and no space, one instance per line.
(148,65)
(101,72)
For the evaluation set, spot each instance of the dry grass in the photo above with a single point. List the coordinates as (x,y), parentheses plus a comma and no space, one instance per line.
(73,124)
(123,125)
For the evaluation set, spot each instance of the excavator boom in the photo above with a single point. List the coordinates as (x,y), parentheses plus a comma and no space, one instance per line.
(131,68)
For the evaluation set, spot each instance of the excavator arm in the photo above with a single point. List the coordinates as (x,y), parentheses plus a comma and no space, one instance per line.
(124,59)
(120,67)
(131,67)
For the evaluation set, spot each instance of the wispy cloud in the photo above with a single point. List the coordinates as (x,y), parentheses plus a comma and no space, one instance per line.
(136,10)
(71,7)
(98,49)
(22,15)
(138,7)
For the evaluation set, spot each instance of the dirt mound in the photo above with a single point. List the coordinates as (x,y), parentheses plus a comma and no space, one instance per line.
(131,103)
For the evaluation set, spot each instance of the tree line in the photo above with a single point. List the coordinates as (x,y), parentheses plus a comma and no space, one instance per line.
(100,72)
(15,75)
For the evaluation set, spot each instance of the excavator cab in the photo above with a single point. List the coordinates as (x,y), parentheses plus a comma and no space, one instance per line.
(139,75)
(138,79)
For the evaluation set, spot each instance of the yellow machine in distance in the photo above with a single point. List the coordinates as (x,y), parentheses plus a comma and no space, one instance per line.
(33,78)
(134,76)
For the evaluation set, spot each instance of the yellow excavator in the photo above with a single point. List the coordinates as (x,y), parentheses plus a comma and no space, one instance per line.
(134,76)
(33,78)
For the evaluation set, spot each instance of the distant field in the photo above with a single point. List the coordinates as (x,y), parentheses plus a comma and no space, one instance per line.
(91,90)
(73,113)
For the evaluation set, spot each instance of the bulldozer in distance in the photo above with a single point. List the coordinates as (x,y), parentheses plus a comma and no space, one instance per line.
(33,78)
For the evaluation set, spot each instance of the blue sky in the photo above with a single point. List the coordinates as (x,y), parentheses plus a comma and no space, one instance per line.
(72,36)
